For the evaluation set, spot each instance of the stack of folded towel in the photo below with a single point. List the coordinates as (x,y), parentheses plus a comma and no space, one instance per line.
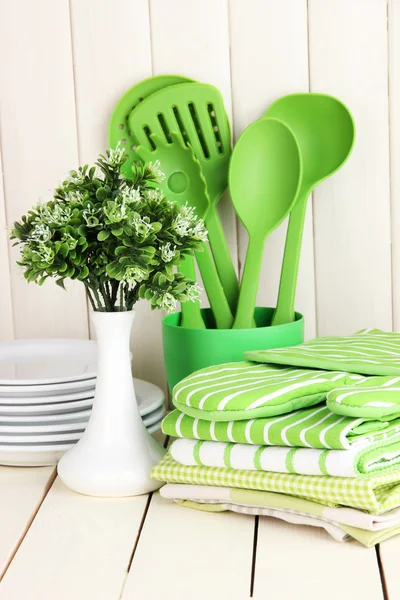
(308,434)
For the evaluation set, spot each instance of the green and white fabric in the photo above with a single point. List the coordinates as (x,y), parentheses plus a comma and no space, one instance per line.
(300,512)
(370,397)
(255,499)
(244,390)
(314,427)
(359,461)
(378,493)
(370,351)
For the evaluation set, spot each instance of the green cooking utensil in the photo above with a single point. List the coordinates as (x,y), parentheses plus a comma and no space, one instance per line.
(185,184)
(118,129)
(196,111)
(264,179)
(325,131)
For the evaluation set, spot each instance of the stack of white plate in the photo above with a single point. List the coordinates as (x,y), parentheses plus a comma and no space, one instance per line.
(46,395)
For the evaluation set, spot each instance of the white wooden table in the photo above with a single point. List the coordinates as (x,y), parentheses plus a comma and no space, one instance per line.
(58,545)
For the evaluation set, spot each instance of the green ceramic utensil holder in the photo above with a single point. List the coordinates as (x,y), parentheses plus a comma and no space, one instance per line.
(188,350)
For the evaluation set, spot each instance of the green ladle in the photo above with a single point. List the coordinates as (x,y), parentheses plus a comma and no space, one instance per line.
(185,184)
(264,178)
(325,131)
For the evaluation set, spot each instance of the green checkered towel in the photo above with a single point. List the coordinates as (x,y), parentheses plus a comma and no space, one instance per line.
(314,427)
(376,494)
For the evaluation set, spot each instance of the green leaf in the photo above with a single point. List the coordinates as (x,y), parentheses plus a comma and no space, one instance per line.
(103,235)
(60,283)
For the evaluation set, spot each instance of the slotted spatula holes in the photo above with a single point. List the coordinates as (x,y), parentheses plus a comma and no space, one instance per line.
(179,121)
(122,126)
(148,135)
(164,127)
(197,126)
(215,128)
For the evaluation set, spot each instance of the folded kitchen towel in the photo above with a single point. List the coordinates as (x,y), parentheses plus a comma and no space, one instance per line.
(351,517)
(245,390)
(374,458)
(377,493)
(338,531)
(314,427)
(370,351)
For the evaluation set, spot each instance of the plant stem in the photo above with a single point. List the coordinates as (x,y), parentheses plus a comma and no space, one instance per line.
(103,292)
(96,295)
(90,297)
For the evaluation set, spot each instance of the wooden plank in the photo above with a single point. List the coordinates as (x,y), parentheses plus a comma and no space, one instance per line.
(269,58)
(109,59)
(77,547)
(394,122)
(348,59)
(200,50)
(211,555)
(38,131)
(307,564)
(6,309)
(21,492)
(389,556)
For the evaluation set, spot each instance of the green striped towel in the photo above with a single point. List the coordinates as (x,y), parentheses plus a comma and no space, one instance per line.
(314,427)
(377,494)
(244,390)
(370,351)
(374,458)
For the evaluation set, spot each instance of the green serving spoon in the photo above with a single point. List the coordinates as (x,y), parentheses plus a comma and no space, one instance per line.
(264,179)
(118,129)
(196,111)
(325,131)
(185,184)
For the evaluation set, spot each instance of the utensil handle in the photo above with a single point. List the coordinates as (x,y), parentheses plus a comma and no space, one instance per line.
(215,293)
(284,312)
(222,258)
(191,316)
(249,285)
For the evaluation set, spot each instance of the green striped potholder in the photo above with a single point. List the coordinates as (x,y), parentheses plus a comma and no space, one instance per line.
(371,397)
(370,351)
(245,390)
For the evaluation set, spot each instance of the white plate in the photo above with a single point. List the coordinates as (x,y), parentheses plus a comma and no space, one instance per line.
(28,401)
(35,420)
(31,362)
(39,391)
(148,395)
(155,427)
(31,439)
(154,417)
(45,409)
(17,428)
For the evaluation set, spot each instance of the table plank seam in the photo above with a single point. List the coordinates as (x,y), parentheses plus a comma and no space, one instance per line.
(254,556)
(382,572)
(28,524)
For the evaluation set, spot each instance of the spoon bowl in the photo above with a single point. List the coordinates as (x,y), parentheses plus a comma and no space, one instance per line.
(264,178)
(325,131)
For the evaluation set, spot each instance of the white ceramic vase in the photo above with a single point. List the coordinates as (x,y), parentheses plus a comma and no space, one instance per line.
(116,453)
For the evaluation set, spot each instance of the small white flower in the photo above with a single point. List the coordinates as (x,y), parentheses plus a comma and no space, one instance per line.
(74,196)
(134,275)
(141,226)
(76,177)
(192,292)
(199,232)
(130,194)
(167,253)
(41,233)
(154,170)
(154,194)
(167,302)
(115,156)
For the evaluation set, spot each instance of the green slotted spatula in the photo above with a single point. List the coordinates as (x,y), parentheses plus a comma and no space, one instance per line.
(195,111)
(118,129)
(185,184)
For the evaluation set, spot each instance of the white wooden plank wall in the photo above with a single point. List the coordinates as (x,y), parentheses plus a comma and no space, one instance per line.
(63,66)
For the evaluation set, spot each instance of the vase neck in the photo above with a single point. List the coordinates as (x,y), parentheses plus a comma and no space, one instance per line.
(113,327)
